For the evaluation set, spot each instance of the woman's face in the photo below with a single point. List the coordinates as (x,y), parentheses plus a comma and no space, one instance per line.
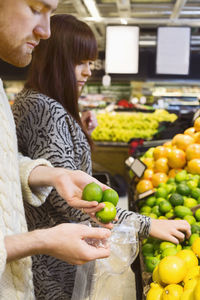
(82,72)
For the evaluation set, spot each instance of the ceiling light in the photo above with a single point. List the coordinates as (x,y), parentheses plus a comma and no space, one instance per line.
(92,8)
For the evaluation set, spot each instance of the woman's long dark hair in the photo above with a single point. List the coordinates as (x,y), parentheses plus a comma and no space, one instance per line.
(52,71)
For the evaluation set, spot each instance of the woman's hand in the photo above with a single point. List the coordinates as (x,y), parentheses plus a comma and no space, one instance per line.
(89,121)
(173,231)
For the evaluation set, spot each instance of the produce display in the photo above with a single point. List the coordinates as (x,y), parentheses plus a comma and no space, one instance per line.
(173,174)
(121,127)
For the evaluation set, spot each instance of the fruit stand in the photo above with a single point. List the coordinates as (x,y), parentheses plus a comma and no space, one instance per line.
(170,189)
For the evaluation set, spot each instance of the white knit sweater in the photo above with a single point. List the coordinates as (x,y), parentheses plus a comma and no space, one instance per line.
(16,277)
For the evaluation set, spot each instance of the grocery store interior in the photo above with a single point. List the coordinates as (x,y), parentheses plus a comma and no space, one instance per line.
(145,93)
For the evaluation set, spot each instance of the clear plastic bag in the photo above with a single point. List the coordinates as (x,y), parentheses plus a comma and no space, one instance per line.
(103,279)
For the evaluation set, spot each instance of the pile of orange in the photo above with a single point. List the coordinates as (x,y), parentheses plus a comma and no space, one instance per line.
(182,152)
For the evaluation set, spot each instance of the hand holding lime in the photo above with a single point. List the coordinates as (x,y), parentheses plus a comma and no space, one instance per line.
(110,195)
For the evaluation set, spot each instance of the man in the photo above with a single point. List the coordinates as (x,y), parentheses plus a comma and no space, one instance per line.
(22,24)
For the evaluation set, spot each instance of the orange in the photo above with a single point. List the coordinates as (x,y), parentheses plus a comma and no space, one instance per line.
(193,166)
(177,158)
(148,173)
(189,258)
(106,214)
(161,165)
(172,269)
(190,131)
(167,144)
(193,151)
(158,178)
(172,292)
(149,162)
(144,185)
(197,124)
(160,151)
(182,141)
(172,173)
(197,137)
(92,192)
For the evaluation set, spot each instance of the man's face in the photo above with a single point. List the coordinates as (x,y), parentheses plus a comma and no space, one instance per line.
(22,24)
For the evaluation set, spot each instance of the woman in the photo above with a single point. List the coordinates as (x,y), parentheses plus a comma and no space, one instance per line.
(49,126)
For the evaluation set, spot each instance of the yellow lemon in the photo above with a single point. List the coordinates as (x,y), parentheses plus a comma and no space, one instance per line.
(189,258)
(197,291)
(191,284)
(172,269)
(172,292)
(187,295)
(193,272)
(156,277)
(155,292)
(196,247)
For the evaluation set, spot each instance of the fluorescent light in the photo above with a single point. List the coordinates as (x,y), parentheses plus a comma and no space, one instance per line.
(92,8)
(123,21)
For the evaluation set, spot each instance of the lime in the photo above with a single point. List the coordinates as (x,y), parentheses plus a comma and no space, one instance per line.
(165,206)
(110,195)
(165,245)
(170,180)
(187,248)
(92,192)
(178,247)
(151,262)
(161,192)
(198,200)
(192,238)
(106,214)
(151,201)
(162,218)
(181,211)
(195,228)
(159,200)
(170,214)
(155,210)
(195,193)
(145,209)
(190,202)
(169,251)
(153,216)
(181,176)
(190,219)
(192,184)
(171,188)
(147,249)
(161,185)
(197,214)
(176,199)
(183,189)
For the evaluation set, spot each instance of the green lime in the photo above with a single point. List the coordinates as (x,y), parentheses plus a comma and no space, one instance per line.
(169,251)
(192,238)
(106,214)
(198,200)
(151,201)
(145,209)
(92,192)
(147,249)
(187,248)
(195,228)
(153,216)
(170,214)
(161,192)
(162,185)
(190,219)
(171,188)
(197,214)
(192,184)
(165,207)
(178,247)
(183,189)
(164,245)
(190,202)
(144,241)
(110,195)
(176,199)
(170,180)
(155,210)
(151,262)
(195,193)
(181,176)
(181,211)
(159,200)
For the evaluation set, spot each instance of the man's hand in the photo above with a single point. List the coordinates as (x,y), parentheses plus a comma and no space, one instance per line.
(65,241)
